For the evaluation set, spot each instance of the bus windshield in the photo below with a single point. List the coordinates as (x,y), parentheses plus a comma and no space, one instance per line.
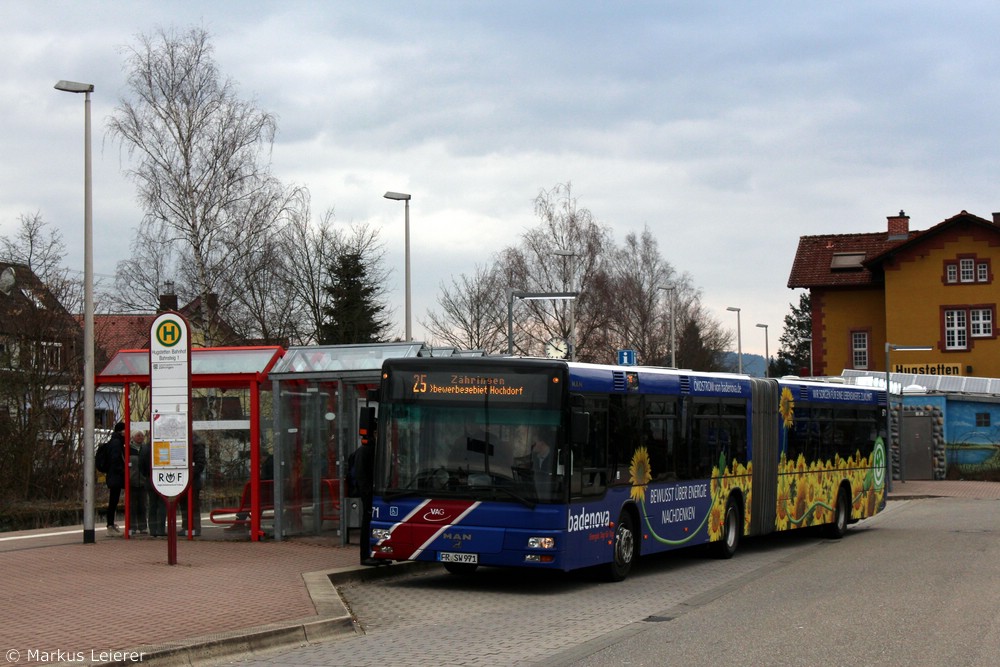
(478,445)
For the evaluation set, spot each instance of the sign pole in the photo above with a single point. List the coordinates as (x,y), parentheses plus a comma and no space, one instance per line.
(170,412)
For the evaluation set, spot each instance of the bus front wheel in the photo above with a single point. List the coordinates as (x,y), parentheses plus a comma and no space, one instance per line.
(731,530)
(625,549)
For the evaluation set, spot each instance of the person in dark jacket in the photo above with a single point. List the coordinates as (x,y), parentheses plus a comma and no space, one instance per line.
(364,470)
(154,501)
(136,485)
(115,477)
(198,464)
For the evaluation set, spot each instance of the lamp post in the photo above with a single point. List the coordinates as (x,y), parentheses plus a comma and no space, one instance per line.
(572,306)
(673,320)
(767,356)
(888,406)
(528,296)
(399,196)
(88,313)
(739,340)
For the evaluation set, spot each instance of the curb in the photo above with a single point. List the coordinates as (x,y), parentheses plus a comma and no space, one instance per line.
(332,619)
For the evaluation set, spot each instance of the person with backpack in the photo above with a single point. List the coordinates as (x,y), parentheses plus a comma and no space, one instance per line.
(114,474)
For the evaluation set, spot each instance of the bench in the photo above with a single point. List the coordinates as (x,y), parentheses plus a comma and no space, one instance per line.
(237,516)
(241,514)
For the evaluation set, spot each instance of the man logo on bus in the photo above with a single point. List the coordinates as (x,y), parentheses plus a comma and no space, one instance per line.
(168,333)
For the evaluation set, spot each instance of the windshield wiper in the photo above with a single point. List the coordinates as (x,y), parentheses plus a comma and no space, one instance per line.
(516,496)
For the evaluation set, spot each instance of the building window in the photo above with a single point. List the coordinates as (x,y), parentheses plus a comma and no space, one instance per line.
(982,420)
(10,354)
(962,323)
(859,349)
(955,330)
(981,323)
(53,356)
(966,268)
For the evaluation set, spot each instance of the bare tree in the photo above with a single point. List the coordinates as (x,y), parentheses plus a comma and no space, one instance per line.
(202,157)
(473,318)
(637,271)
(310,250)
(564,253)
(37,247)
(40,365)
(140,277)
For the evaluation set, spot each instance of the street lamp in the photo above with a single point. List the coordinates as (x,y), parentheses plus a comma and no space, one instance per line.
(673,320)
(88,313)
(767,356)
(739,340)
(528,296)
(572,306)
(399,196)
(888,406)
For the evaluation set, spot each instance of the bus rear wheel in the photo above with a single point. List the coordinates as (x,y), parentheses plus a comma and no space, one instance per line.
(624,549)
(731,530)
(838,528)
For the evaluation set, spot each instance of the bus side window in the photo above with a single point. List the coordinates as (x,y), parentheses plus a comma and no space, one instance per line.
(593,454)
(625,431)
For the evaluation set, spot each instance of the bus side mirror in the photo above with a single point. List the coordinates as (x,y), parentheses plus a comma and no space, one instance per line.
(374,395)
(580,428)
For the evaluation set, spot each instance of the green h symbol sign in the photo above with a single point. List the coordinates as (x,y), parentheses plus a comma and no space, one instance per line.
(168,333)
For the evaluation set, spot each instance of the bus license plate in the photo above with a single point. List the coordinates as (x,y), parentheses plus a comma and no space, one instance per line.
(453,557)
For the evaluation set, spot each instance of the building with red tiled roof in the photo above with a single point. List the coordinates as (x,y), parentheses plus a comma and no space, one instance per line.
(131,332)
(932,288)
(120,332)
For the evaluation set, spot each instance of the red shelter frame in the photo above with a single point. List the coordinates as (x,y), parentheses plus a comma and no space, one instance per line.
(211,368)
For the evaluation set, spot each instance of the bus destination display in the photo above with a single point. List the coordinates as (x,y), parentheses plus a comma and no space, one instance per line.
(515,387)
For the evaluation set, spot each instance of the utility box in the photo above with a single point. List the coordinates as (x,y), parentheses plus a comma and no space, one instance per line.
(353,512)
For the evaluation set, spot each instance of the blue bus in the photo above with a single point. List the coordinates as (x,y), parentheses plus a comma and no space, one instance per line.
(519,462)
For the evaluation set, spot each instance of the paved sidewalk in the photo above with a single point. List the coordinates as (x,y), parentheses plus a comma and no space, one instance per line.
(944,489)
(223,598)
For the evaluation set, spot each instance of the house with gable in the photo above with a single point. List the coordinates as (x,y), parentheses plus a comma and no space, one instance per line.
(933,288)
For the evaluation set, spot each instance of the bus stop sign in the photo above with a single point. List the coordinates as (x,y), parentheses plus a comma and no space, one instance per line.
(170,403)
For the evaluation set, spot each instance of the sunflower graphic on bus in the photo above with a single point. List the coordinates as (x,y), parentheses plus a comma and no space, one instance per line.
(710,498)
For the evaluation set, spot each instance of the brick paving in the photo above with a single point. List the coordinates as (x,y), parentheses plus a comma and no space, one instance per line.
(118,594)
(122,594)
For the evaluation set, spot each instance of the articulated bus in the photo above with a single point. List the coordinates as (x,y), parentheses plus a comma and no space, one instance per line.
(562,465)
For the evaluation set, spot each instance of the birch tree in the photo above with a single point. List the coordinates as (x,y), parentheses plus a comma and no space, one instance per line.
(201,157)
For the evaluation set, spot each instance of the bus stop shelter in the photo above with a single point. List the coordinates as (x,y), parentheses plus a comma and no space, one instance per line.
(228,413)
(318,392)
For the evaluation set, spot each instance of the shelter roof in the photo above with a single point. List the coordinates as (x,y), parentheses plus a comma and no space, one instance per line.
(210,366)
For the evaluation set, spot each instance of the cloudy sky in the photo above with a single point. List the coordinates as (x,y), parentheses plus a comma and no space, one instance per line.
(729,128)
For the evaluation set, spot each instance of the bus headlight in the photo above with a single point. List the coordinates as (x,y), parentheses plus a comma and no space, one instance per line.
(541,543)
(380,533)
